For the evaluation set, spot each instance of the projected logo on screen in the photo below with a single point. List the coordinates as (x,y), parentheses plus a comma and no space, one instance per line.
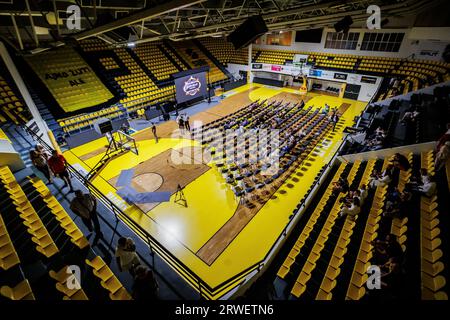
(192,86)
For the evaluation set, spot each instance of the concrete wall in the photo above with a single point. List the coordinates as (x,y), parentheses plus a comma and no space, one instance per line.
(383,153)
(10,157)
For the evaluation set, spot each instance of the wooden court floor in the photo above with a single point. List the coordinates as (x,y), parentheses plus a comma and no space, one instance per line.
(216,236)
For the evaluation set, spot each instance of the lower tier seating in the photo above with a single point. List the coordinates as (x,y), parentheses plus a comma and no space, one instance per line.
(40,243)
(331,257)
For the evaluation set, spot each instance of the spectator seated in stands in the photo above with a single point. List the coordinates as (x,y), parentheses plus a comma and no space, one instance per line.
(363,193)
(125,128)
(383,179)
(388,256)
(442,156)
(427,189)
(410,116)
(401,162)
(392,276)
(352,194)
(422,179)
(340,186)
(386,250)
(374,141)
(351,209)
(326,109)
(398,206)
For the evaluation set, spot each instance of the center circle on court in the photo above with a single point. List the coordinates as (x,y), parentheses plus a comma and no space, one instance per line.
(149,181)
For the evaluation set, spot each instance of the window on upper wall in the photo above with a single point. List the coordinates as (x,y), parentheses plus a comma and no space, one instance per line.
(378,41)
(342,41)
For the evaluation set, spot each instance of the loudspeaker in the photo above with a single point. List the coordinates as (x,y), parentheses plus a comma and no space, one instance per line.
(105,127)
(446,54)
(249,31)
(344,24)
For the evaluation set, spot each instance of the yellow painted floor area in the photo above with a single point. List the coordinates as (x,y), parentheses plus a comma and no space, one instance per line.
(183,231)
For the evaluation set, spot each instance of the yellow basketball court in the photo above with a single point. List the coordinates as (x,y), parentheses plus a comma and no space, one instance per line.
(204,236)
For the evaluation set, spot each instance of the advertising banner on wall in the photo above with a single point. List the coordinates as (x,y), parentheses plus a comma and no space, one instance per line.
(367,79)
(276,68)
(340,76)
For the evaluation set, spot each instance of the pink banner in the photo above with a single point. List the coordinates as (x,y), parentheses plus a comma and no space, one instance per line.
(276,68)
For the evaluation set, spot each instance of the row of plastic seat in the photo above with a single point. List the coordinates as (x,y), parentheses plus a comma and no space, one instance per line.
(399,226)
(40,235)
(315,254)
(432,267)
(109,63)
(156,61)
(8,254)
(290,259)
(22,290)
(334,266)
(65,221)
(89,93)
(11,104)
(225,52)
(357,286)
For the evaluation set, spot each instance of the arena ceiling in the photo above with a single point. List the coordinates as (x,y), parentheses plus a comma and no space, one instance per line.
(31,24)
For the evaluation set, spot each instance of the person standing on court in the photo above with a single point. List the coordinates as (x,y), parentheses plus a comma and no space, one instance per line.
(180,122)
(58,165)
(84,205)
(335,120)
(154,132)
(187,125)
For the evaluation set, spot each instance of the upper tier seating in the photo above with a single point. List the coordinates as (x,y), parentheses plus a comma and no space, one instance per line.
(69,78)
(139,89)
(196,58)
(224,51)
(12,106)
(413,74)
(422,118)
(156,61)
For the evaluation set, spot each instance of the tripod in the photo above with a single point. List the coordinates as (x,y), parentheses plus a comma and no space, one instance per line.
(179,197)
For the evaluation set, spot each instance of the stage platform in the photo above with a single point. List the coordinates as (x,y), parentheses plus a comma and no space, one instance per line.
(215,236)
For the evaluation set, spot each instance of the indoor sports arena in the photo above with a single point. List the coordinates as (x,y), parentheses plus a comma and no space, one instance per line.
(225,150)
